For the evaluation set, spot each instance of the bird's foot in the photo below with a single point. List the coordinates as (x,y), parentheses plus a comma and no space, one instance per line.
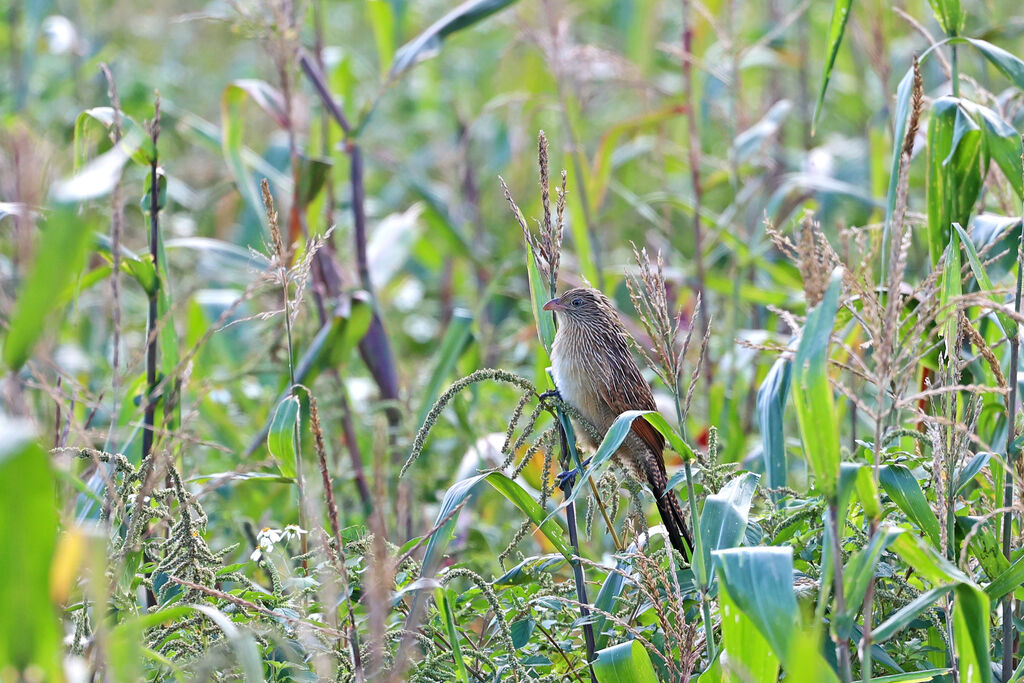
(545,397)
(567,479)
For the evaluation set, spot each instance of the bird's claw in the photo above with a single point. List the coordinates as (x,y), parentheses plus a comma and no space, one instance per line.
(545,397)
(567,479)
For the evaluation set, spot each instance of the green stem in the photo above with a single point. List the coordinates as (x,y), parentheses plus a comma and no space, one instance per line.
(955,69)
(701,570)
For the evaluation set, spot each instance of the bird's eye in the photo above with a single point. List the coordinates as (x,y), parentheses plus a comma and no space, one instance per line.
(577,302)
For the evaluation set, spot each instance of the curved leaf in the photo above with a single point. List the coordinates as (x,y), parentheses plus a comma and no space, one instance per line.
(624,663)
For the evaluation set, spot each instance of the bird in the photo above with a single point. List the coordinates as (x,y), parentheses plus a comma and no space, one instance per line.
(595,373)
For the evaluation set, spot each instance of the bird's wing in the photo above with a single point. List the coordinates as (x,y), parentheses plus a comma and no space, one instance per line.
(625,389)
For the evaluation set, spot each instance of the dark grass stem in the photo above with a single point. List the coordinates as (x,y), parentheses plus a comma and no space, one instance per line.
(154,252)
(1011,431)
(694,145)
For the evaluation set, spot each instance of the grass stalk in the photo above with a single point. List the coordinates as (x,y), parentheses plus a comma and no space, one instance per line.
(842,646)
(1011,430)
(154,253)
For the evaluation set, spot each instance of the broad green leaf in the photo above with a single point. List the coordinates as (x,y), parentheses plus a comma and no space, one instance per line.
(60,255)
(452,346)
(760,583)
(836,26)
(613,438)
(520,631)
(445,599)
(1009,580)
(429,42)
(903,488)
(747,654)
(970,611)
(1010,65)
(723,519)
(812,393)
(30,633)
(953,175)
(540,293)
(624,663)
(950,15)
(971,634)
(771,406)
(966,474)
(281,437)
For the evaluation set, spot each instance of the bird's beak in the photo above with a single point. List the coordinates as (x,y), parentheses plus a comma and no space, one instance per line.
(554,305)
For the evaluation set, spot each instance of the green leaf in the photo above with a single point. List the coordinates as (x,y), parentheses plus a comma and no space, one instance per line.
(445,599)
(950,15)
(903,94)
(902,618)
(134,139)
(911,676)
(812,393)
(1010,65)
(613,438)
(857,573)
(30,633)
(760,583)
(624,663)
(747,654)
(966,474)
(904,490)
(953,175)
(521,632)
(429,42)
(1006,582)
(281,437)
(452,346)
(723,519)
(60,255)
(771,406)
(981,275)
(836,26)
(540,293)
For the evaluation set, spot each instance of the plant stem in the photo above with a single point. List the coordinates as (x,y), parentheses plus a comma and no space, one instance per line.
(577,566)
(955,70)
(1011,430)
(697,559)
(154,252)
(693,143)
(842,647)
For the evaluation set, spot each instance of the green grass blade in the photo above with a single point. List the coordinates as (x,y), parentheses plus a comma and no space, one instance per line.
(771,406)
(445,599)
(836,27)
(281,437)
(903,488)
(908,613)
(812,393)
(60,256)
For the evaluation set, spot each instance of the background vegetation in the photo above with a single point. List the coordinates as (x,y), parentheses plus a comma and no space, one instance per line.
(256,262)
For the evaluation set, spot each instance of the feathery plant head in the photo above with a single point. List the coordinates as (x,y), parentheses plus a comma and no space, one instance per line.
(547,245)
(649,294)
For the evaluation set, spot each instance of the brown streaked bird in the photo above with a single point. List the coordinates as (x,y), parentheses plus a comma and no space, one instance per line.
(595,373)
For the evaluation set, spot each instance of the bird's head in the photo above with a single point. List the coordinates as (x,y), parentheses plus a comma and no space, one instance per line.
(583,306)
